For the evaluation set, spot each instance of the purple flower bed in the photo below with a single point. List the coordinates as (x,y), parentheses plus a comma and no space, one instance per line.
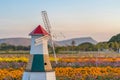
(17,65)
(14,65)
(84,64)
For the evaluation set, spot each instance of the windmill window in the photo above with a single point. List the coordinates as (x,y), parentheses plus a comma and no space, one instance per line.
(45,63)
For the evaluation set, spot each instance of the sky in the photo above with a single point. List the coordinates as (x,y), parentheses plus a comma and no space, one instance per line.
(99,19)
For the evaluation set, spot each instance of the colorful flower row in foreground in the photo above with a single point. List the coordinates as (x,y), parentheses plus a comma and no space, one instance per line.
(11,74)
(14,59)
(16,63)
(69,73)
(87,73)
(86,59)
(24,59)
(20,59)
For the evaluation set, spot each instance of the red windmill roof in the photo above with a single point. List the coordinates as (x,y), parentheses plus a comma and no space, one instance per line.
(39,31)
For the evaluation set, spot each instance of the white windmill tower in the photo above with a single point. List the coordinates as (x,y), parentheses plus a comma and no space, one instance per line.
(39,66)
(48,28)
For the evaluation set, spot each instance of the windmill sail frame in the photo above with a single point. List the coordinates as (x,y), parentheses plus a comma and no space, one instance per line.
(48,28)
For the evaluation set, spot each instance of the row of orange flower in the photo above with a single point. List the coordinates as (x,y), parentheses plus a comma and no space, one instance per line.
(83,73)
(11,74)
(69,72)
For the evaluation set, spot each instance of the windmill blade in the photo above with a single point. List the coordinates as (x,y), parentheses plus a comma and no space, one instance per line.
(48,28)
(54,36)
(38,43)
(39,40)
(46,21)
(62,35)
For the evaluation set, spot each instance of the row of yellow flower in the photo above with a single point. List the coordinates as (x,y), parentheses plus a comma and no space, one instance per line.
(20,59)
(89,59)
(68,72)
(24,59)
(14,59)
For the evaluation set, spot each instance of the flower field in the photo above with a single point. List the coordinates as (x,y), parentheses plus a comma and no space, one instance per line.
(11,74)
(68,68)
(89,62)
(69,73)
(87,73)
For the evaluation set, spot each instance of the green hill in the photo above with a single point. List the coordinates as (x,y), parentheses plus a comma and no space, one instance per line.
(115,38)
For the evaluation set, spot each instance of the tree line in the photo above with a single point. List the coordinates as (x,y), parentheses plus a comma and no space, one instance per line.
(102,46)
(8,47)
(112,45)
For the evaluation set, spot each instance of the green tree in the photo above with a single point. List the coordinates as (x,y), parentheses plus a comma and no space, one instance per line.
(73,45)
(3,46)
(115,38)
(116,46)
(87,47)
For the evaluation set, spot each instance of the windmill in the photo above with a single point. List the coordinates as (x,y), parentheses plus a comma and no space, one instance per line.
(49,30)
(39,66)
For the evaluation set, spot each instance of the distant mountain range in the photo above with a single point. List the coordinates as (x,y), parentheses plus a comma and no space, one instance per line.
(26,41)
(16,41)
(77,41)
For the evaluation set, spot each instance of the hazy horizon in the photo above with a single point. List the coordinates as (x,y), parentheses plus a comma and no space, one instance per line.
(74,18)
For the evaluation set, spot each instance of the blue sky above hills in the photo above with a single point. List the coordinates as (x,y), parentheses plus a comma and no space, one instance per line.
(99,19)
